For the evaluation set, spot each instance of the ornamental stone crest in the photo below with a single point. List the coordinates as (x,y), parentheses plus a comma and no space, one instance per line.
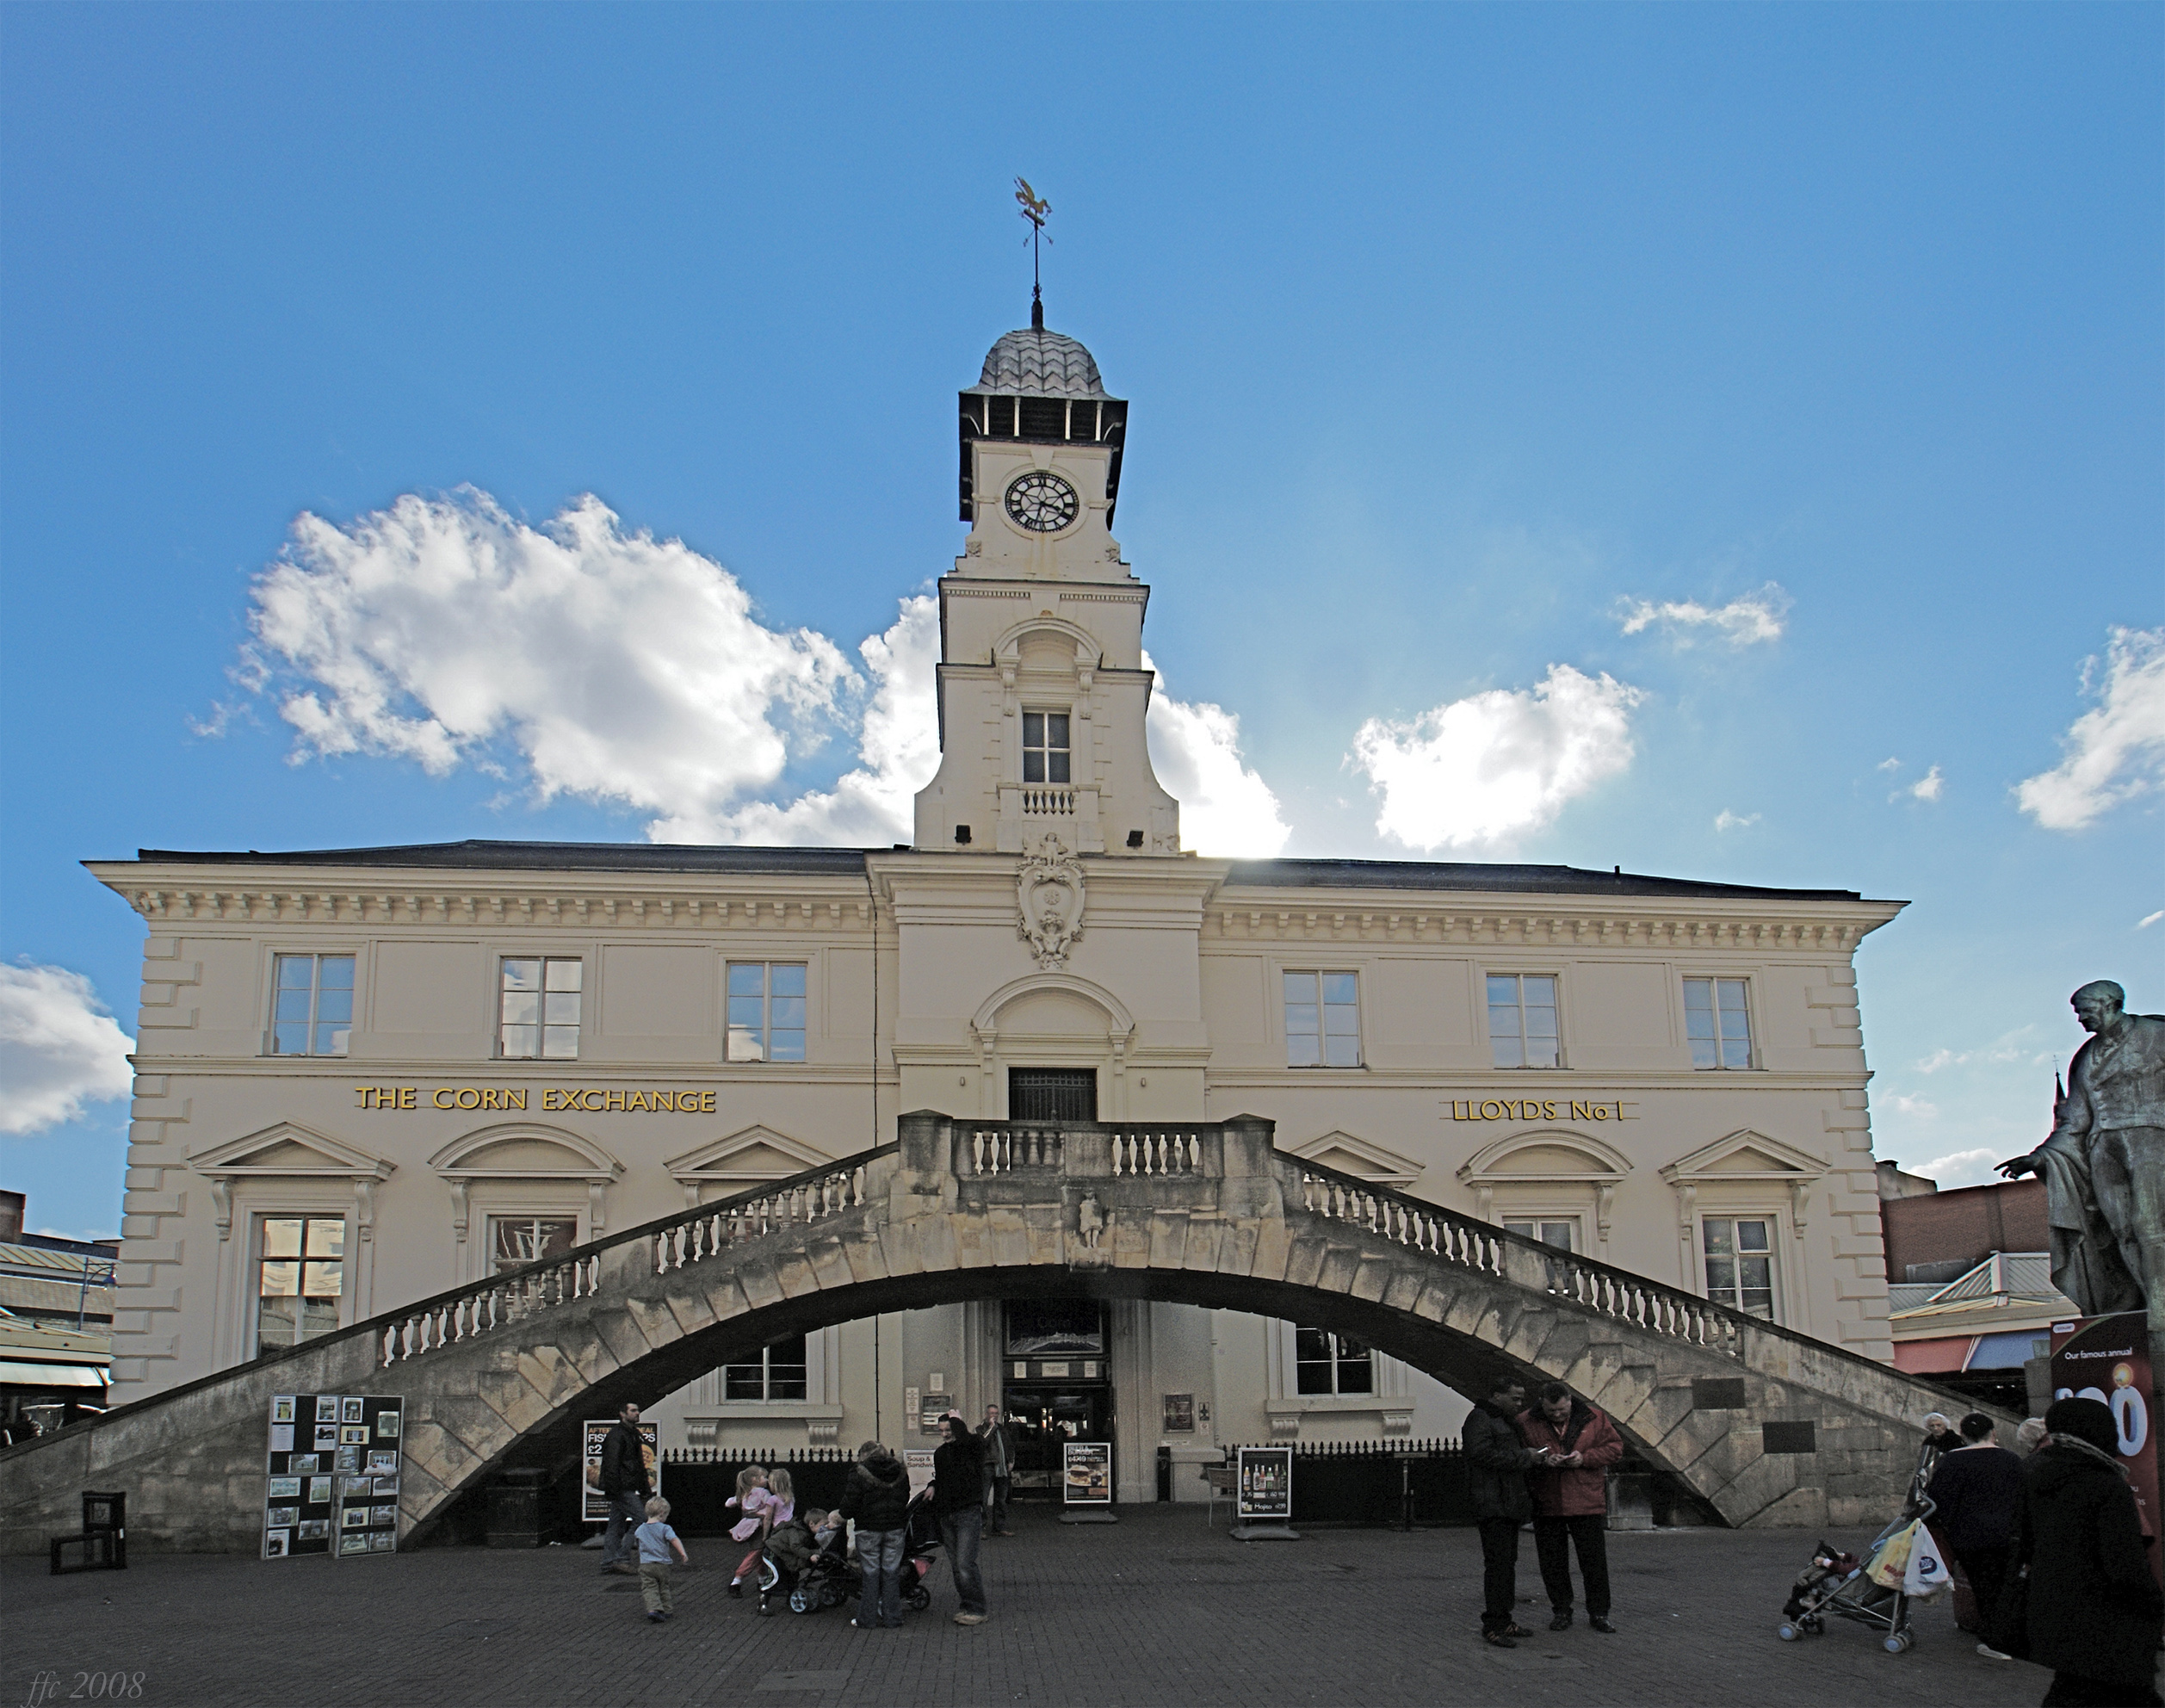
(1049,888)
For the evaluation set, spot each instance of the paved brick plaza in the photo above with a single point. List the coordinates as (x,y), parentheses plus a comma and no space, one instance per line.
(1156,1610)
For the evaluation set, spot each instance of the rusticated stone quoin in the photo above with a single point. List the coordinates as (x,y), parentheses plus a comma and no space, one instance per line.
(499,1374)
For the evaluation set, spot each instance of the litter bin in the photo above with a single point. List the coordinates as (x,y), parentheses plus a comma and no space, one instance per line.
(514,1509)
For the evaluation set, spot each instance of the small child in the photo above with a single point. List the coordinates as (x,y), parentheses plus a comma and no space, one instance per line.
(750,1500)
(656,1540)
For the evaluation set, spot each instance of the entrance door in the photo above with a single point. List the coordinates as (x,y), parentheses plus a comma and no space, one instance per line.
(1051,1095)
(1046,1418)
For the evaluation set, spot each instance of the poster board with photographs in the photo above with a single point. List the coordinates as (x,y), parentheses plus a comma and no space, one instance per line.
(1087,1473)
(1264,1488)
(331,1476)
(593,1504)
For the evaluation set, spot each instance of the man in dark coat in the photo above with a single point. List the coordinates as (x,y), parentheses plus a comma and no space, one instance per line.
(626,1487)
(2094,1609)
(1571,1500)
(1975,1494)
(1497,1462)
(998,1437)
(958,1497)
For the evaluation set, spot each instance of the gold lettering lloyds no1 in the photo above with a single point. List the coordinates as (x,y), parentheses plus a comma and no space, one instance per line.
(513,1098)
(1540,1109)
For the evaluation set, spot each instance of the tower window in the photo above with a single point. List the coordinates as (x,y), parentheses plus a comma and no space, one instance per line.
(1046,754)
(1044,417)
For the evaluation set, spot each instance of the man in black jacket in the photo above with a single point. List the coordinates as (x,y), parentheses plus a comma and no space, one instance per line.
(958,1496)
(878,1499)
(626,1487)
(1497,1462)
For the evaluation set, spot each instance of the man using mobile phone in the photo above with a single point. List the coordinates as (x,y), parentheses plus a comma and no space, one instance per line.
(1578,1445)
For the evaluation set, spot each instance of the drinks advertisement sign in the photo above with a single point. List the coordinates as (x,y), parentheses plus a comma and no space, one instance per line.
(1266,1489)
(2108,1359)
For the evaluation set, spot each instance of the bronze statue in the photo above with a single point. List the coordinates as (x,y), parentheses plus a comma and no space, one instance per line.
(2103,1163)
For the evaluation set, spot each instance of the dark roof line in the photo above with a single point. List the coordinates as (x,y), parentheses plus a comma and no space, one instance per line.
(475,855)
(1466,875)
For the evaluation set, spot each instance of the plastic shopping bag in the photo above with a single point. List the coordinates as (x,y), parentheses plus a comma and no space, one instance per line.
(1892,1560)
(1926,1574)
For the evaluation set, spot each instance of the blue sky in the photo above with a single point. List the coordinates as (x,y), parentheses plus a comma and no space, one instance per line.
(1695,408)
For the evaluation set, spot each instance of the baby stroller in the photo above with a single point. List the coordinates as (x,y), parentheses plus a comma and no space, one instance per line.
(834,1577)
(1840,1584)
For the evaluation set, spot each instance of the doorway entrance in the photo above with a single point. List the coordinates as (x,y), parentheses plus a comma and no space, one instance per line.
(1046,1418)
(1051,1095)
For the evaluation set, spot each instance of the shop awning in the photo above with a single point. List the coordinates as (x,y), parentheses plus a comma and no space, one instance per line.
(16,1375)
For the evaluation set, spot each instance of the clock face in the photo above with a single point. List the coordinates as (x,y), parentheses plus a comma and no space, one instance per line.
(1043,503)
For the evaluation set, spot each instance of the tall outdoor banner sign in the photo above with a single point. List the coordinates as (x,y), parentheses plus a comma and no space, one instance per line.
(2108,1359)
(594,1503)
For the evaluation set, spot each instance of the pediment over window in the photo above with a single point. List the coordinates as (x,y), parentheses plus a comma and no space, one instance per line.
(1747,1155)
(518,1151)
(1364,1159)
(754,1154)
(1554,1155)
(291,1149)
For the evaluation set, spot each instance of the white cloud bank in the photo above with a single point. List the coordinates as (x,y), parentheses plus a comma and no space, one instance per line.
(2115,752)
(60,1049)
(1725,820)
(1497,765)
(1752,617)
(610,665)
(1225,807)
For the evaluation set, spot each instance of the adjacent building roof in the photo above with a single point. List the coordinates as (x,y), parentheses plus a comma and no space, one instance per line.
(646,856)
(1040,364)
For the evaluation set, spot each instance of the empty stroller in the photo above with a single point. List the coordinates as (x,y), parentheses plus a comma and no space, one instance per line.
(1840,1584)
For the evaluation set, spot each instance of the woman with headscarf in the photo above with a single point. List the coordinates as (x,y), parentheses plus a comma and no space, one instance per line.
(2094,1611)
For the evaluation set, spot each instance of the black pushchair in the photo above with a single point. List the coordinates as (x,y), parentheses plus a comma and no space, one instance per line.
(1840,1584)
(834,1577)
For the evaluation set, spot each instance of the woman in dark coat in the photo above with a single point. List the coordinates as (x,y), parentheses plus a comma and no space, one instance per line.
(2094,1609)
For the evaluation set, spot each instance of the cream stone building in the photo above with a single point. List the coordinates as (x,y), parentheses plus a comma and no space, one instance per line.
(367,1075)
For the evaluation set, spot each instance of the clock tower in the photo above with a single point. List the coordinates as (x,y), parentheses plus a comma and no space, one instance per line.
(1043,692)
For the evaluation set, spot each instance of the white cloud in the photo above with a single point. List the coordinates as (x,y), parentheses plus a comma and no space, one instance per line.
(1916,1108)
(2150,920)
(60,1049)
(1929,787)
(1960,1168)
(1752,617)
(1498,765)
(2114,752)
(2008,1047)
(1890,764)
(1225,807)
(578,659)
(1726,820)
(899,745)
(612,666)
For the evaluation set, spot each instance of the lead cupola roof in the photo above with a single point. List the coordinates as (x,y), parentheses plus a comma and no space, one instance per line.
(1034,362)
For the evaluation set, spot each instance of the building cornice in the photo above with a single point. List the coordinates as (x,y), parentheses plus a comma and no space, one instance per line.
(375,896)
(1516,922)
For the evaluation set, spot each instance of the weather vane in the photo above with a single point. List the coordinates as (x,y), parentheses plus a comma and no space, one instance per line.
(1034,209)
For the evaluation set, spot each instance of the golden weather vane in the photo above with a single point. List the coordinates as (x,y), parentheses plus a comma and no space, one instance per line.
(1034,209)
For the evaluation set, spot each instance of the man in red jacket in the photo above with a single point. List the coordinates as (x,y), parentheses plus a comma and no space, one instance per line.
(1578,1445)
